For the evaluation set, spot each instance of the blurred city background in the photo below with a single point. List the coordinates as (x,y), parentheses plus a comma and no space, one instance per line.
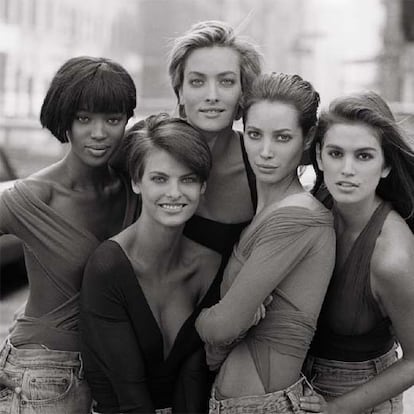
(339,45)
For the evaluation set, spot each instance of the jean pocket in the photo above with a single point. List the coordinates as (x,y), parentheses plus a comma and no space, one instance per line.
(48,385)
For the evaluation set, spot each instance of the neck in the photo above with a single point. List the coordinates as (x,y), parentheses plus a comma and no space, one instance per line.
(353,217)
(217,139)
(154,246)
(85,177)
(268,194)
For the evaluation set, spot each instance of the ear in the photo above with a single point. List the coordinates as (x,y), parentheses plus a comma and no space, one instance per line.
(203,188)
(135,187)
(385,171)
(318,156)
(309,138)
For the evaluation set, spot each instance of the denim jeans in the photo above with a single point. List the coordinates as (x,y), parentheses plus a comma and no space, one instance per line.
(44,382)
(279,402)
(333,378)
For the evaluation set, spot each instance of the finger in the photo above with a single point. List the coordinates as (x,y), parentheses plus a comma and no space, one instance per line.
(7,381)
(311,407)
(308,391)
(268,300)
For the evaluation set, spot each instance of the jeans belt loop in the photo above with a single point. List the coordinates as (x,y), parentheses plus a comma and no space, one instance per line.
(4,353)
(81,370)
(293,399)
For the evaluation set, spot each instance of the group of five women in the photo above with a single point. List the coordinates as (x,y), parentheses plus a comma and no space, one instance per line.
(204,277)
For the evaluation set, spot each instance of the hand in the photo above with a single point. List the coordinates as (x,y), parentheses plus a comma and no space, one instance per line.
(261,312)
(314,403)
(311,402)
(7,382)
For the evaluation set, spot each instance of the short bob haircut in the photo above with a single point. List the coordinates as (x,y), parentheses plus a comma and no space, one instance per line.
(368,108)
(289,89)
(90,84)
(172,135)
(208,34)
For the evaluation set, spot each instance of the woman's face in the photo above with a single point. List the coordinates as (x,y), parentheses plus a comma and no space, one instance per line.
(352,161)
(211,88)
(170,191)
(274,141)
(95,137)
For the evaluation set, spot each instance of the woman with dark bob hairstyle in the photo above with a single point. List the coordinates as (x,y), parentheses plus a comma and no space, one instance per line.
(210,68)
(144,288)
(362,158)
(61,214)
(286,253)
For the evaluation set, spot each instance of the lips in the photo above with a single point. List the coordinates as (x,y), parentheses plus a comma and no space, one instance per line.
(211,110)
(97,147)
(172,207)
(346,184)
(266,168)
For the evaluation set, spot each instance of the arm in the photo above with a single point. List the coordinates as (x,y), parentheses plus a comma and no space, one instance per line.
(274,255)
(114,365)
(393,285)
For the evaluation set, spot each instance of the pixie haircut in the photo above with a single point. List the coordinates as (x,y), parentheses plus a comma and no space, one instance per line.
(208,34)
(172,135)
(290,89)
(90,84)
(370,109)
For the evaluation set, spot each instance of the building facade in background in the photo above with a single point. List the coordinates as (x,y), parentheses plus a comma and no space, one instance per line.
(339,45)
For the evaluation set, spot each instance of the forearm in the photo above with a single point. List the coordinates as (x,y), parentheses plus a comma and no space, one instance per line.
(384,386)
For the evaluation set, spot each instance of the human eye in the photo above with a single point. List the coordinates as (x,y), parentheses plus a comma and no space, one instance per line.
(82,118)
(227,82)
(159,179)
(190,179)
(253,134)
(196,82)
(114,120)
(335,153)
(365,156)
(283,138)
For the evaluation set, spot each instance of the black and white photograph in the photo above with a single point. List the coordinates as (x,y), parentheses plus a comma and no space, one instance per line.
(206,207)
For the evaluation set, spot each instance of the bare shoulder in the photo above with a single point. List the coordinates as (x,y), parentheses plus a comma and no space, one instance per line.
(303,199)
(43,182)
(393,258)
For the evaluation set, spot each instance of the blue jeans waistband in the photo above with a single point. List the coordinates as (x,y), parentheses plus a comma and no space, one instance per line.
(375,365)
(284,401)
(40,357)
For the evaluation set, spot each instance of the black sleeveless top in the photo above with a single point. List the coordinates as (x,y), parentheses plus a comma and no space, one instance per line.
(351,326)
(215,235)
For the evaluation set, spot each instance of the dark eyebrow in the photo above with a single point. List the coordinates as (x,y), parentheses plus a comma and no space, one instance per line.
(277,131)
(229,72)
(358,149)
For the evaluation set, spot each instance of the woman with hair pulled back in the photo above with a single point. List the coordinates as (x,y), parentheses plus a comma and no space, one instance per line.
(88,104)
(210,69)
(281,265)
(144,288)
(362,158)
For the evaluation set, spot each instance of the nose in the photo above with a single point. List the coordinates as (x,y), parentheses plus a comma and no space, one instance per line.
(348,167)
(98,129)
(266,150)
(212,92)
(174,190)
